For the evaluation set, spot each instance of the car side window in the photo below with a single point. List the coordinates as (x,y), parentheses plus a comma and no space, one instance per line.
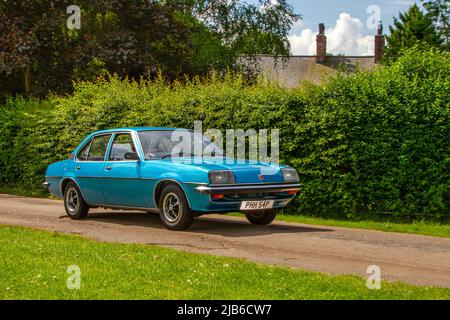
(83,154)
(123,143)
(98,148)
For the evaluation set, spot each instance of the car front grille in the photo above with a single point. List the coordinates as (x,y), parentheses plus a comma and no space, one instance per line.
(253,196)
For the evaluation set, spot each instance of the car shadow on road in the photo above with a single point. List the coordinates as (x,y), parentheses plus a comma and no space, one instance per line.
(231,227)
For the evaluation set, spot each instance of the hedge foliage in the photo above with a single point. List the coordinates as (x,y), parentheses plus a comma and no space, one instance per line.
(374,141)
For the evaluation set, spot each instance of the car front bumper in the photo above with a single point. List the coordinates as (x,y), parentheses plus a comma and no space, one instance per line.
(201,200)
(251,188)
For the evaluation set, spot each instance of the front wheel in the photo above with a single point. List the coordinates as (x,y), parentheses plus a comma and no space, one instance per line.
(261,217)
(76,207)
(174,209)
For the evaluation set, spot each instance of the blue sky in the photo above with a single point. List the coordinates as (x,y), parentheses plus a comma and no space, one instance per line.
(345,22)
(327,11)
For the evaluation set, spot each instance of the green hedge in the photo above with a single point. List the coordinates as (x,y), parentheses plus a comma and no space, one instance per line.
(370,142)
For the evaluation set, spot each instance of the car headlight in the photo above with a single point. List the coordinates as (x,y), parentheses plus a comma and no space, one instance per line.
(290,175)
(221,177)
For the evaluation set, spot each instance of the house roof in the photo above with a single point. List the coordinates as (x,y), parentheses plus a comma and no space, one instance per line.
(291,71)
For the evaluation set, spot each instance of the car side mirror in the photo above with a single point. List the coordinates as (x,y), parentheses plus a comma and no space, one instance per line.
(131,156)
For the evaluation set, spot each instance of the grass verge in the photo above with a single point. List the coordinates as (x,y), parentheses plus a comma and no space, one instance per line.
(20,191)
(427,228)
(33,265)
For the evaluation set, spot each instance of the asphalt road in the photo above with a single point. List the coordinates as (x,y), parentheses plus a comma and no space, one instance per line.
(415,259)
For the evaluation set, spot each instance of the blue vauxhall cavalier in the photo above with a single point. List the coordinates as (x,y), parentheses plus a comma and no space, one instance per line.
(135,169)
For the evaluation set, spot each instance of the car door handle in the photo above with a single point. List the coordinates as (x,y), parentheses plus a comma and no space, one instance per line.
(108,168)
(77,168)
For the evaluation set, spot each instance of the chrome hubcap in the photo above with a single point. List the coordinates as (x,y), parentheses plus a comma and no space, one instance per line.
(72,200)
(171,207)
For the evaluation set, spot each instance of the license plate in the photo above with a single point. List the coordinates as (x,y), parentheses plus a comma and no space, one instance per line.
(257,205)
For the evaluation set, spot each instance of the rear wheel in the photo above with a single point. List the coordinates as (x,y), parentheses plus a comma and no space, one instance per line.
(76,207)
(174,209)
(261,217)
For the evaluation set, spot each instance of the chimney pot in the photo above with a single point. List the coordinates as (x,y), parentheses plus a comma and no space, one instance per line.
(380,28)
(321,28)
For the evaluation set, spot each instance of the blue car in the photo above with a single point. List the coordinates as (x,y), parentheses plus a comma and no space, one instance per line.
(136,169)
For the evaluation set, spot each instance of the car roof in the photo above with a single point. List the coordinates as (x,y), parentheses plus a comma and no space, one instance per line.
(124,129)
(137,129)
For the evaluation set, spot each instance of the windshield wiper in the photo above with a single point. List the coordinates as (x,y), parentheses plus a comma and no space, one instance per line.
(179,155)
(189,155)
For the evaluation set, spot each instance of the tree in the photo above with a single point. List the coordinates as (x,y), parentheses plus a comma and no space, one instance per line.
(135,38)
(132,38)
(410,29)
(439,12)
(260,27)
(28,41)
(39,54)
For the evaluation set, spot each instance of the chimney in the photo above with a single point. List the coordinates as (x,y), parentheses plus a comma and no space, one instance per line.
(379,43)
(321,41)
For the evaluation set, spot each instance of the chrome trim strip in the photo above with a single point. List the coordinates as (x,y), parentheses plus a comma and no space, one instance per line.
(93,177)
(196,183)
(115,178)
(251,184)
(118,207)
(46,184)
(249,188)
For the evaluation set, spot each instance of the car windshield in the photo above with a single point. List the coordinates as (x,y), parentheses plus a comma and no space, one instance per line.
(180,143)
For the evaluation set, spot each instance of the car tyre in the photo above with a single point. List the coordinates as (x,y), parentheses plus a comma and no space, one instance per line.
(76,207)
(174,209)
(261,217)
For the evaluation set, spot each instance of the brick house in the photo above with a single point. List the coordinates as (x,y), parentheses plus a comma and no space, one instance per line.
(291,71)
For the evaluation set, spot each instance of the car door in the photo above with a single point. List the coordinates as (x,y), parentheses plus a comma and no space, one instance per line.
(89,168)
(122,184)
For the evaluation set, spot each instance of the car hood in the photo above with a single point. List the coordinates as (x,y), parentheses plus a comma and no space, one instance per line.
(245,171)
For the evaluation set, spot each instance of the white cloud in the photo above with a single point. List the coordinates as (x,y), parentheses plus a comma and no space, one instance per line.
(346,37)
(303,44)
